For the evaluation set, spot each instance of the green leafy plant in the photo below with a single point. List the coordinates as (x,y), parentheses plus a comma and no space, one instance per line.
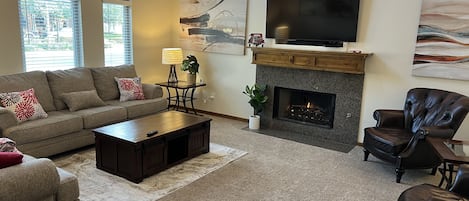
(257,97)
(190,64)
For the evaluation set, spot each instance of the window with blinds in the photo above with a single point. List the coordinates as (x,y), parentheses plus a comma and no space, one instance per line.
(51,34)
(117,22)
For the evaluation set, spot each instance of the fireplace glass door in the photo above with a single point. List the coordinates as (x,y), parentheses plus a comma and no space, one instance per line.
(305,107)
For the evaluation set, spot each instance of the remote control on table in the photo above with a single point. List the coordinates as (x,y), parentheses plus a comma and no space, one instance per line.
(152,133)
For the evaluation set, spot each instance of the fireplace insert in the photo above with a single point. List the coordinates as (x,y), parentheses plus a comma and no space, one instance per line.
(305,107)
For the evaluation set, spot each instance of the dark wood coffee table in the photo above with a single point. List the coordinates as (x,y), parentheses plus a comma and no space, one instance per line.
(124,149)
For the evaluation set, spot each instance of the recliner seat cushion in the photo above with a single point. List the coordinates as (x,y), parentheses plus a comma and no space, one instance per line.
(389,140)
(56,124)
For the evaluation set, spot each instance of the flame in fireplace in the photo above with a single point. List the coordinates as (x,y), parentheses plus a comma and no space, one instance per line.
(309,105)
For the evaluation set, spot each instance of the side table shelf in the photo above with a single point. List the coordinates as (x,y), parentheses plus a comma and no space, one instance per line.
(184,93)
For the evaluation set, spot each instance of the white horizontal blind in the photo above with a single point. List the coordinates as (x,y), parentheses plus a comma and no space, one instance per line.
(51,34)
(117,26)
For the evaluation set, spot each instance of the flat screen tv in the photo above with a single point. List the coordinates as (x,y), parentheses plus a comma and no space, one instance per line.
(313,22)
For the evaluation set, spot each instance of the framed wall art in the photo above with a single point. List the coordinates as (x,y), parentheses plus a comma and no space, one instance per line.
(442,48)
(213,25)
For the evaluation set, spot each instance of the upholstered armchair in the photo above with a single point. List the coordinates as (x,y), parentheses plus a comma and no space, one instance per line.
(426,192)
(399,135)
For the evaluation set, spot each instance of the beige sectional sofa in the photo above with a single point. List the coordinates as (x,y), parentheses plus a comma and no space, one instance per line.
(63,129)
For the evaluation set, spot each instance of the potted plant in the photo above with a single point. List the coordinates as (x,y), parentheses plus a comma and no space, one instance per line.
(191,65)
(257,101)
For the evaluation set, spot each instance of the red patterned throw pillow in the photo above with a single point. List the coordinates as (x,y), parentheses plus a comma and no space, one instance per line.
(23,104)
(130,88)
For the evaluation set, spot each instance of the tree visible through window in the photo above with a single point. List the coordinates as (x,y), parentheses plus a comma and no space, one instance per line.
(117,33)
(51,34)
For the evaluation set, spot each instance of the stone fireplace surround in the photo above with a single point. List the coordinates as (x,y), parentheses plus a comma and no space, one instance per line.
(348,89)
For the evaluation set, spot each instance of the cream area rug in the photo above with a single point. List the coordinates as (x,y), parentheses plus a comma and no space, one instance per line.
(99,185)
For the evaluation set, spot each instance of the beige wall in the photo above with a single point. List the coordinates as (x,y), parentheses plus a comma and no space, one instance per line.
(388,34)
(10,40)
(155,23)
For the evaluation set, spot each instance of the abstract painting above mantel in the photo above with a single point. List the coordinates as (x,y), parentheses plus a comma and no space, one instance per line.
(213,25)
(442,48)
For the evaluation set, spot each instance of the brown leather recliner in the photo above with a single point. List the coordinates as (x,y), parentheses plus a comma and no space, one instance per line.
(428,192)
(399,135)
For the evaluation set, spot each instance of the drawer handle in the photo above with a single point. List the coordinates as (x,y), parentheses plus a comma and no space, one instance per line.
(291,59)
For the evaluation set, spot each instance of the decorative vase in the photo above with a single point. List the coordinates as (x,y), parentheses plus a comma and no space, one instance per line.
(254,122)
(191,78)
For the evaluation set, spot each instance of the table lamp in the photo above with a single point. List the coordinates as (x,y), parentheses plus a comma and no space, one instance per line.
(172,56)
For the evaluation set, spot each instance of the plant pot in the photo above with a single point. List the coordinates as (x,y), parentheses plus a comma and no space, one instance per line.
(191,78)
(254,122)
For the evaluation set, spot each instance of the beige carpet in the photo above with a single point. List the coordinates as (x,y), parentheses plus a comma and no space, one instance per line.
(274,169)
(283,170)
(99,185)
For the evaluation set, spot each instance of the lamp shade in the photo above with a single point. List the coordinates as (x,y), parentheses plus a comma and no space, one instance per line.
(172,56)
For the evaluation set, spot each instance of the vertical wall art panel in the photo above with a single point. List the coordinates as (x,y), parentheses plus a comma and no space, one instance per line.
(442,48)
(213,25)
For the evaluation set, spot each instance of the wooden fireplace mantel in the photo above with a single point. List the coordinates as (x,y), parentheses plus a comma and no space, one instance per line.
(343,62)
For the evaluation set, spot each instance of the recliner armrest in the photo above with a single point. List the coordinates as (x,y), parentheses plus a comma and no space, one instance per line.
(389,118)
(461,182)
(36,179)
(151,91)
(434,131)
(7,119)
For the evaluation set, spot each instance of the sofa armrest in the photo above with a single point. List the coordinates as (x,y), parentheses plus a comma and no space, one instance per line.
(151,91)
(7,119)
(31,180)
(389,118)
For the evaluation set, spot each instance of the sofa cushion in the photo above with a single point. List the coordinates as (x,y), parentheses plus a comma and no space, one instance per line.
(100,116)
(10,158)
(56,124)
(71,80)
(130,88)
(27,80)
(82,100)
(141,107)
(23,104)
(104,80)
